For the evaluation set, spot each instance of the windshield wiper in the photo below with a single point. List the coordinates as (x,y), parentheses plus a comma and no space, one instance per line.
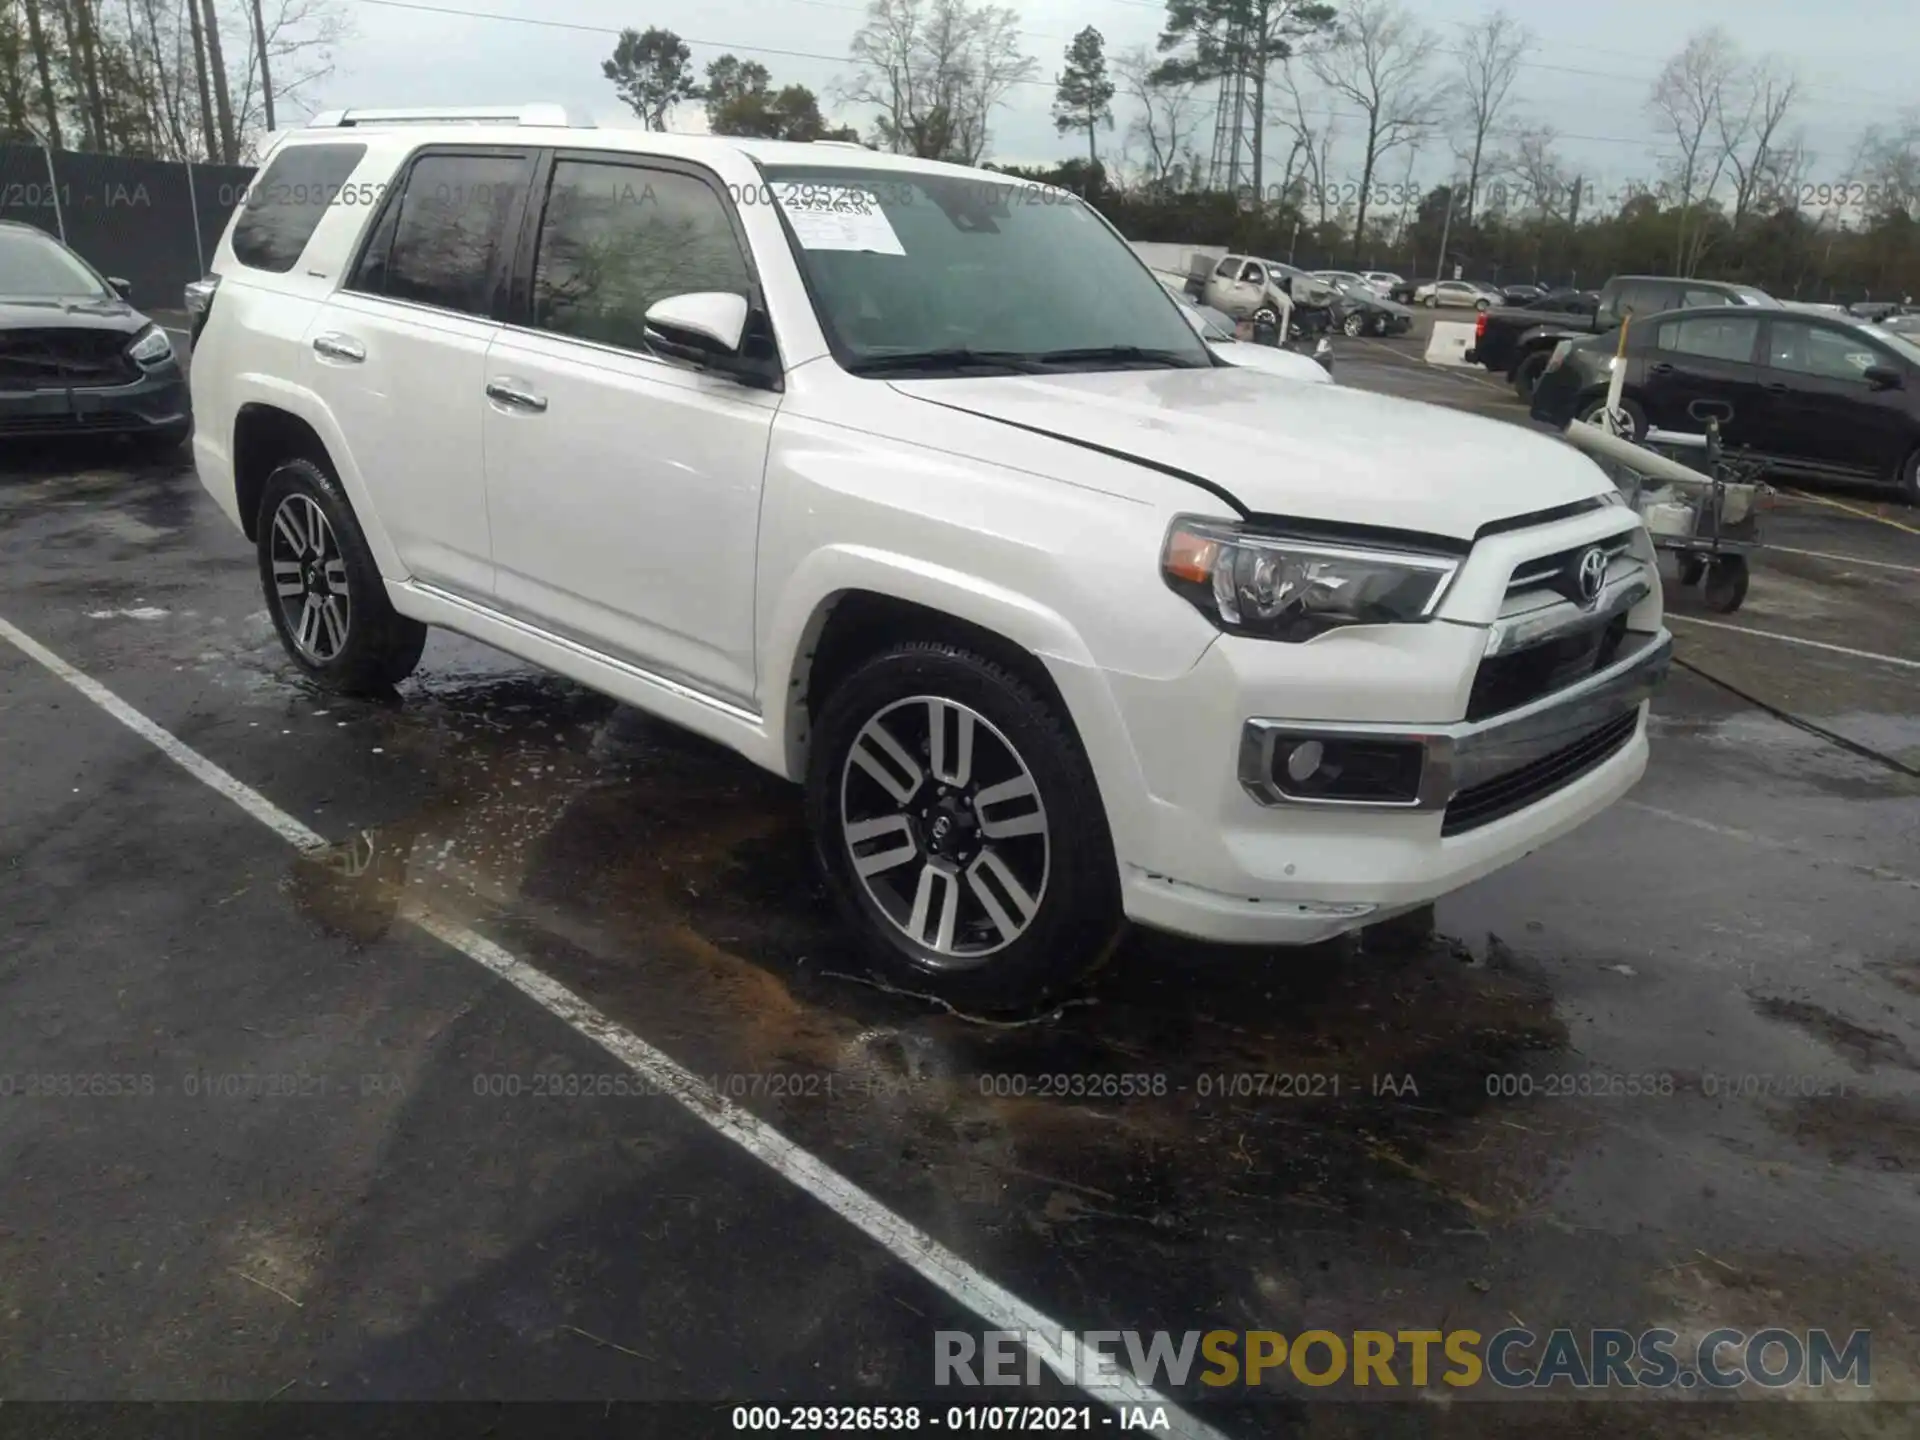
(957,357)
(1120,354)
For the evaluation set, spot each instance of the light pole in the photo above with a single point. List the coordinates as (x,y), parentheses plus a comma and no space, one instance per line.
(53,181)
(1446,233)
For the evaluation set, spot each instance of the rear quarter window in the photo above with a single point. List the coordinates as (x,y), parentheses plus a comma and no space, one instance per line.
(285,204)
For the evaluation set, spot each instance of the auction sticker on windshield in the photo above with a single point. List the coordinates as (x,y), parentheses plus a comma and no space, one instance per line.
(837,217)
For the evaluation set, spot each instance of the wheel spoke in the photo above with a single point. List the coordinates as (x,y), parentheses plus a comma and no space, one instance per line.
(309,623)
(289,529)
(987,863)
(336,573)
(317,530)
(861,832)
(873,748)
(949,757)
(334,614)
(1032,821)
(935,876)
(286,578)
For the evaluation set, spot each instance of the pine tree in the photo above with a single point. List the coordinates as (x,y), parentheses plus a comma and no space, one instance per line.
(1084,99)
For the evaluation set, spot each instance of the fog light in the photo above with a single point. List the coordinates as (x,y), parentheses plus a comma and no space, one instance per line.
(1349,769)
(1304,759)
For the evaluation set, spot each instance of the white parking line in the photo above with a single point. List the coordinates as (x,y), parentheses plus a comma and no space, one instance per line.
(1795,640)
(1844,559)
(905,1241)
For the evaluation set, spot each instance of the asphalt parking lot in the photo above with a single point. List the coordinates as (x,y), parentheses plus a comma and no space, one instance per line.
(368,1011)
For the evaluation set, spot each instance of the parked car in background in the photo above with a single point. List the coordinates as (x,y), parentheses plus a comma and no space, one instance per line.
(1457,293)
(1223,337)
(1516,342)
(1385,281)
(75,357)
(1879,309)
(1568,302)
(1816,396)
(1907,325)
(1359,309)
(1243,287)
(1521,294)
(927,500)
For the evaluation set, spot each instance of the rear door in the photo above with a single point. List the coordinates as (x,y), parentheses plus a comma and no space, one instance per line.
(1821,415)
(400,354)
(1701,367)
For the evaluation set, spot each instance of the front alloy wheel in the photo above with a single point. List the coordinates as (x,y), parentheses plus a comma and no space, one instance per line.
(310,580)
(1354,325)
(959,828)
(946,828)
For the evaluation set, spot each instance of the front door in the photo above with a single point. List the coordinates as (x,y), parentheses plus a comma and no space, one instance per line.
(623,485)
(1821,413)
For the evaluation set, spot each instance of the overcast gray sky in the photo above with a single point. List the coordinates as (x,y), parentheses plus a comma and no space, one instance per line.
(1588,77)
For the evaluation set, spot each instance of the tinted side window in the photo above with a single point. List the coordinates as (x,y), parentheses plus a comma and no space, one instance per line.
(1641,297)
(1816,350)
(283,207)
(451,233)
(1712,337)
(1252,275)
(616,238)
(1225,268)
(1691,299)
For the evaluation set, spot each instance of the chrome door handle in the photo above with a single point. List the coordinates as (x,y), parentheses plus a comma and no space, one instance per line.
(515,395)
(340,347)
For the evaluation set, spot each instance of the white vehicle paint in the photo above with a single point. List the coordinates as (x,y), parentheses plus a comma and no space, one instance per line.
(736,522)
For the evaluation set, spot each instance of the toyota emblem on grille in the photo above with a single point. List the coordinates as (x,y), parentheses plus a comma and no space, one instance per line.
(1590,575)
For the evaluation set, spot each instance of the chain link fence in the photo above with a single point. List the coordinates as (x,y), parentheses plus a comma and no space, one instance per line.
(153,223)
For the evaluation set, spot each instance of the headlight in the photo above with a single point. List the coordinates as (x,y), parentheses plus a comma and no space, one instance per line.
(152,347)
(1281,588)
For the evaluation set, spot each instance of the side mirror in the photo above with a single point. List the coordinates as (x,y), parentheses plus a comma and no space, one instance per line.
(700,325)
(122,288)
(1883,377)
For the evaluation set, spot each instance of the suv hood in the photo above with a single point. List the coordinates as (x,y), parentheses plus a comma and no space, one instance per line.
(1311,452)
(76,314)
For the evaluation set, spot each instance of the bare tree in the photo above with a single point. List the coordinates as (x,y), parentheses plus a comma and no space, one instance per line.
(1490,58)
(1378,62)
(1538,172)
(298,38)
(1748,122)
(1888,163)
(1686,103)
(936,70)
(1165,119)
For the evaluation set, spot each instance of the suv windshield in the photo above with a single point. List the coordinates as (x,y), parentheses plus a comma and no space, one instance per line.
(927,271)
(34,267)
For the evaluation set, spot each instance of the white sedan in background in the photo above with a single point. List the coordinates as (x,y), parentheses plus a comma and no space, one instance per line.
(1217,328)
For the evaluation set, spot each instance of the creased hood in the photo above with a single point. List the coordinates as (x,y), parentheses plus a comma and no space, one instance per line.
(1313,452)
(70,315)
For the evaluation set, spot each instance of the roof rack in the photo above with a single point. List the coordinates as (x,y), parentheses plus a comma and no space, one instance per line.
(844,144)
(560,116)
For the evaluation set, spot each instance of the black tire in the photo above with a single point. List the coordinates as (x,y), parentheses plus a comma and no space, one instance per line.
(1526,375)
(1909,479)
(1265,315)
(1354,325)
(1726,586)
(1432,302)
(1483,305)
(1693,568)
(377,647)
(1593,408)
(1077,920)
(1382,324)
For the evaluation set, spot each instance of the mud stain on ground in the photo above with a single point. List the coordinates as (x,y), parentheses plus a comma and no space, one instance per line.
(1869,1132)
(1863,1048)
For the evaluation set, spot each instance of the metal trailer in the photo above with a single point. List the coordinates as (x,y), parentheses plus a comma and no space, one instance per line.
(1698,503)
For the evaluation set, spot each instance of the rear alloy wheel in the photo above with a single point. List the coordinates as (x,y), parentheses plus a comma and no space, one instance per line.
(1482,305)
(1354,325)
(959,828)
(1595,411)
(323,588)
(1910,479)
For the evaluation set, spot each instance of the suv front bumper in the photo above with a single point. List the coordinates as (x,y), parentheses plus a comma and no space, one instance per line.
(1226,854)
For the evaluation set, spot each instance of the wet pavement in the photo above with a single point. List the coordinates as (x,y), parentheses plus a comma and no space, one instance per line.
(341,1160)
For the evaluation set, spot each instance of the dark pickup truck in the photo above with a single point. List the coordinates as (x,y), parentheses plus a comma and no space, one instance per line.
(1516,342)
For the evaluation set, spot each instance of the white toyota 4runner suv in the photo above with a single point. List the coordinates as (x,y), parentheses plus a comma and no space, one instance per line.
(910,483)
